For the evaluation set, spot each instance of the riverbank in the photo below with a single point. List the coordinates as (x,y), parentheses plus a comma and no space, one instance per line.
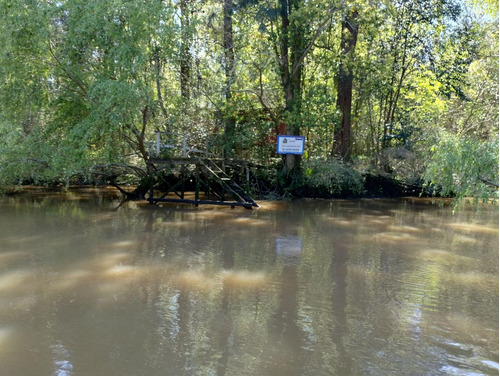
(374,187)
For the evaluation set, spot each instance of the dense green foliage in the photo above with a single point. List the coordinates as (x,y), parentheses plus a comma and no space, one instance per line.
(406,89)
(464,166)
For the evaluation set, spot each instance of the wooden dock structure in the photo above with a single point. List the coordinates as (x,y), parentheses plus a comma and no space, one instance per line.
(212,185)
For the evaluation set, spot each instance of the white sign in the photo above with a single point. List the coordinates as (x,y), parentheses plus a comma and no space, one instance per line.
(290,145)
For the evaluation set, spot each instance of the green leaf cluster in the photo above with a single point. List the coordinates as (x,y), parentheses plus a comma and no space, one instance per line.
(332,177)
(464,168)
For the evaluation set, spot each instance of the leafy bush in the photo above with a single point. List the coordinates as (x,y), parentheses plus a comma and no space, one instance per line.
(404,165)
(330,178)
(464,167)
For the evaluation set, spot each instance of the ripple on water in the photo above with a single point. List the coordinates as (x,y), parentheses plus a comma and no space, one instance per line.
(61,355)
(470,366)
(491,364)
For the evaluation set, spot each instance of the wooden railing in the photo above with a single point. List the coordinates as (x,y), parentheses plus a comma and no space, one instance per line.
(158,145)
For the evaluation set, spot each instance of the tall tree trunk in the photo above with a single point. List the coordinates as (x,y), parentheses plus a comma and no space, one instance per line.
(292,46)
(185,58)
(342,134)
(228,44)
(400,70)
(158,74)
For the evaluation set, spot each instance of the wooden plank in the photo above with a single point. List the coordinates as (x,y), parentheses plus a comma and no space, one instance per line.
(202,202)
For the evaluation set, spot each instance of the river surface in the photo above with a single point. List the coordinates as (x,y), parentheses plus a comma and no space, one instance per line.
(310,287)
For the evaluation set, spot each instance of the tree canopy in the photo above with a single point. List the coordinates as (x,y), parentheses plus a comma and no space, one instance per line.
(406,88)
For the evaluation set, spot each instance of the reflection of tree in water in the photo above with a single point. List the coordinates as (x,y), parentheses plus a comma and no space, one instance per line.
(286,356)
(202,330)
(223,323)
(338,271)
(314,314)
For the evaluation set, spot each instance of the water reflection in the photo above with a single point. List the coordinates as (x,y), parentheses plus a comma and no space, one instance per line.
(289,249)
(62,365)
(305,288)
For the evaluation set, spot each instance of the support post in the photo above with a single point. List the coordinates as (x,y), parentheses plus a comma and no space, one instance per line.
(151,195)
(183,181)
(247,175)
(150,148)
(197,191)
(184,149)
(158,143)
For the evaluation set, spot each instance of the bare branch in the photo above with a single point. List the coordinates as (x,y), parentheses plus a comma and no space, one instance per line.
(322,27)
(488,182)
(78,83)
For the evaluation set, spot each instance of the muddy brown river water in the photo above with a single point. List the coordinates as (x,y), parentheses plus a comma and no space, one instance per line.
(309,287)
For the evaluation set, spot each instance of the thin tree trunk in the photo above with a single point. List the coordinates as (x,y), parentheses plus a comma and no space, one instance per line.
(185,58)
(395,92)
(342,134)
(228,44)
(158,82)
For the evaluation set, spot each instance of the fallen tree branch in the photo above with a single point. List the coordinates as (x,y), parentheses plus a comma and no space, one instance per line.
(488,182)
